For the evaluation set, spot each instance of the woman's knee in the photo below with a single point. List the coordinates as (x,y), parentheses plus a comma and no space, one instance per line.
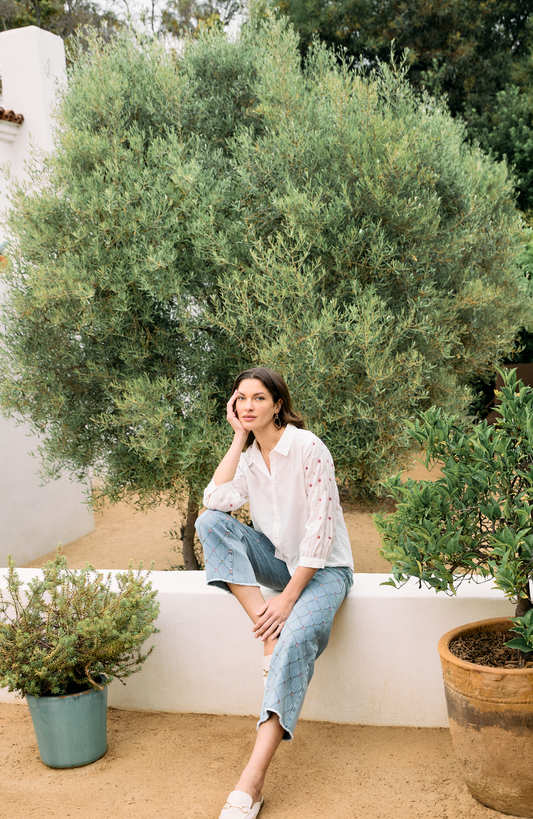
(207,520)
(201,521)
(215,536)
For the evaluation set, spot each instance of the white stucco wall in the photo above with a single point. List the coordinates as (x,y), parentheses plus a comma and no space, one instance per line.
(380,668)
(32,62)
(33,518)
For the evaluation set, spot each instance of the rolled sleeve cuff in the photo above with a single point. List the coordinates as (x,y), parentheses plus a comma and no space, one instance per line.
(213,488)
(312,562)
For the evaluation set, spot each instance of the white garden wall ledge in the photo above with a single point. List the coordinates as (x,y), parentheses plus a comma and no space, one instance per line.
(381,666)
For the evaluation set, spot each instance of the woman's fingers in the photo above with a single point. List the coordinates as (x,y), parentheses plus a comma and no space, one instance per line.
(231,415)
(264,616)
(261,625)
(273,631)
(231,404)
(268,627)
(272,617)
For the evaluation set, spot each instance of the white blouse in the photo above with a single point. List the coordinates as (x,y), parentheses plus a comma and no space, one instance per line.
(296,504)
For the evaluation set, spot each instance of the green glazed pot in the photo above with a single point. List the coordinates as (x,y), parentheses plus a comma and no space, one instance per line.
(71,730)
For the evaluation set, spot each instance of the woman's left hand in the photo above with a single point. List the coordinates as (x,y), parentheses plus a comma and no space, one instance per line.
(272,617)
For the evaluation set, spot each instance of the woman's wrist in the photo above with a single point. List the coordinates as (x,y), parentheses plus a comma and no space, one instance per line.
(292,592)
(297,583)
(240,438)
(225,471)
(290,596)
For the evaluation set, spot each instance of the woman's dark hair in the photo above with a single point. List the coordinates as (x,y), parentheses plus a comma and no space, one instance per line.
(276,386)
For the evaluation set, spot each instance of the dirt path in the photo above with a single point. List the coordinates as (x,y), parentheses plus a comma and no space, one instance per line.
(181,766)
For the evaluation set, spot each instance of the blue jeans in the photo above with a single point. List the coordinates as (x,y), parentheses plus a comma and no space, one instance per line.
(235,553)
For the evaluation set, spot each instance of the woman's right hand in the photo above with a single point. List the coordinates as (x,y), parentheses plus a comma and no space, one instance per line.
(231,415)
(227,467)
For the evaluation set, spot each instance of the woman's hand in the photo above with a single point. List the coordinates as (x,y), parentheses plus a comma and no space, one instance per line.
(231,415)
(272,617)
(274,614)
(227,467)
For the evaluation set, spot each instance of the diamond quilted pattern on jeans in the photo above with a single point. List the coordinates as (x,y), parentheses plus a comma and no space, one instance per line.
(235,553)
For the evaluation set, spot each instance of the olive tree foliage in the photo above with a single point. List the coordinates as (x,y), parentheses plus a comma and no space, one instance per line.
(227,207)
(370,255)
(465,49)
(106,349)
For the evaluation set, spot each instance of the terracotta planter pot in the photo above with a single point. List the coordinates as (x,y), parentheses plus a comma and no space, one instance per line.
(491,723)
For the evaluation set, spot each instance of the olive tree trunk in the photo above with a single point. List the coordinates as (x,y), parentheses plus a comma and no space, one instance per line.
(190,560)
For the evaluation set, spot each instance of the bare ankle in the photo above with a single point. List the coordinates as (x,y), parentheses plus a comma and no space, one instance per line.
(250,785)
(269,646)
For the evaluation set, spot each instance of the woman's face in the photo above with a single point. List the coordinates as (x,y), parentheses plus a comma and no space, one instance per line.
(255,406)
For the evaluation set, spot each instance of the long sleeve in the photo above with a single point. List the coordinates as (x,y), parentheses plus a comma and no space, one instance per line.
(322,495)
(295,503)
(227,496)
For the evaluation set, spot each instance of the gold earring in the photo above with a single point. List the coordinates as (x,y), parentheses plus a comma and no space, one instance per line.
(277,422)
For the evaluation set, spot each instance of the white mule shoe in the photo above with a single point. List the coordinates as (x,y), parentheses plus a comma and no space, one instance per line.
(266,667)
(239,806)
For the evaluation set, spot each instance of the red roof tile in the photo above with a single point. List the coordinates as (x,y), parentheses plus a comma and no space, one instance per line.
(10,116)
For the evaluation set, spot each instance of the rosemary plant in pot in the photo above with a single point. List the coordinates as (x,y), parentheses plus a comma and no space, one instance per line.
(63,639)
(475,523)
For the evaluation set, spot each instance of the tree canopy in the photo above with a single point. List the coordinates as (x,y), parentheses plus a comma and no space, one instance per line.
(506,130)
(467,49)
(61,18)
(66,19)
(225,208)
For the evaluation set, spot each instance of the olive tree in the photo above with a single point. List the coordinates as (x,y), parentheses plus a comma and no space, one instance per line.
(106,350)
(225,207)
(370,254)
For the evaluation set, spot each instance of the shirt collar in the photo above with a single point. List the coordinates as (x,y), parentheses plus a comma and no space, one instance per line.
(283,445)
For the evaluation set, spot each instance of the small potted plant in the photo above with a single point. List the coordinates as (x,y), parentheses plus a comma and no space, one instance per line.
(62,641)
(472,524)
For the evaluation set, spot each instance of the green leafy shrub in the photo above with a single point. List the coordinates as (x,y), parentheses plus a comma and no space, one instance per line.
(229,207)
(70,628)
(370,254)
(523,626)
(505,129)
(475,522)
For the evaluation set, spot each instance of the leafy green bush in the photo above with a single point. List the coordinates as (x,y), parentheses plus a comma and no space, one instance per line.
(475,522)
(505,129)
(69,628)
(523,626)
(370,254)
(227,207)
(463,48)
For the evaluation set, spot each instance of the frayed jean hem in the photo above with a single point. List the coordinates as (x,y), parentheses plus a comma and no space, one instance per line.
(288,735)
(221,584)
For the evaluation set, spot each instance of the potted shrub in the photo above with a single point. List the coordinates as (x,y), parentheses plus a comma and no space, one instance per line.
(62,641)
(475,523)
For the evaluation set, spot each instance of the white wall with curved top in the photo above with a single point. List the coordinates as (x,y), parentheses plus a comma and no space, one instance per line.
(380,668)
(32,63)
(33,518)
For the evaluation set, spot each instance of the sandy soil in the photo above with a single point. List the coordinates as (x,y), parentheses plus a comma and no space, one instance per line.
(181,766)
(122,534)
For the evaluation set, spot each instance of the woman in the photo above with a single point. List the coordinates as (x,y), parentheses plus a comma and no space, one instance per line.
(299,546)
